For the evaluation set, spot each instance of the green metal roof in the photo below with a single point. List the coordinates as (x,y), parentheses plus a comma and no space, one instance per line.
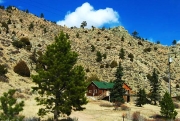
(103,85)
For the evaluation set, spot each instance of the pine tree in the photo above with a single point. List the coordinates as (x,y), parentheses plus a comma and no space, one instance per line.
(60,83)
(121,54)
(155,88)
(167,107)
(141,100)
(99,56)
(118,91)
(10,108)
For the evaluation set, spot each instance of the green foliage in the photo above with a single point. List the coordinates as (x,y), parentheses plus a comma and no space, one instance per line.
(21,20)
(27,11)
(5,25)
(25,40)
(141,100)
(42,15)
(2,7)
(131,56)
(167,107)
(122,39)
(99,56)
(83,24)
(122,53)
(118,91)
(113,64)
(9,21)
(60,83)
(104,56)
(77,35)
(147,49)
(22,69)
(10,108)
(155,87)
(92,48)
(174,42)
(158,42)
(135,34)
(31,26)
(3,70)
(18,44)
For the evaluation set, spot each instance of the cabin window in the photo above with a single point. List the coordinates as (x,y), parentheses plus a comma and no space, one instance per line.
(95,90)
(90,91)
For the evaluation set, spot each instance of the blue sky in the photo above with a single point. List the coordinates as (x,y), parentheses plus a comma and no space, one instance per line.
(156,20)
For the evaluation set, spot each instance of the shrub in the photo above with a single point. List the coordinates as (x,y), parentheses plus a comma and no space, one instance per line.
(140,43)
(147,49)
(3,70)
(113,64)
(5,25)
(92,48)
(22,69)
(21,20)
(87,70)
(177,85)
(77,35)
(25,40)
(131,56)
(107,65)
(101,66)
(31,26)
(18,44)
(9,21)
(104,56)
(108,47)
(99,56)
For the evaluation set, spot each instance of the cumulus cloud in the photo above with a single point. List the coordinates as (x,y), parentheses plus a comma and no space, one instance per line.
(1,1)
(96,18)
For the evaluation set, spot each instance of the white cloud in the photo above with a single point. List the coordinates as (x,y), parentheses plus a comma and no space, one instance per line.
(93,17)
(1,1)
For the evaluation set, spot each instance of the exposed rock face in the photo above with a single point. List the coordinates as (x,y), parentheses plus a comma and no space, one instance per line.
(41,33)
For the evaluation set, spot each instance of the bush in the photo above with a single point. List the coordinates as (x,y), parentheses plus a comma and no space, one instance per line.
(140,43)
(101,66)
(18,44)
(131,56)
(147,49)
(99,56)
(3,70)
(107,65)
(113,64)
(177,85)
(22,69)
(25,40)
(92,48)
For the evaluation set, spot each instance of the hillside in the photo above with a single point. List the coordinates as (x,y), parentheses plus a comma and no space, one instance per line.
(41,33)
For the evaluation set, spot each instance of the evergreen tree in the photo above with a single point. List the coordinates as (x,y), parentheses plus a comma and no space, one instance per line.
(118,91)
(99,56)
(60,83)
(141,100)
(42,15)
(135,34)
(167,107)
(174,42)
(121,54)
(10,108)
(155,88)
(83,24)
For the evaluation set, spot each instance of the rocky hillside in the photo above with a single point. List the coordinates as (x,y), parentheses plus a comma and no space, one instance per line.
(141,56)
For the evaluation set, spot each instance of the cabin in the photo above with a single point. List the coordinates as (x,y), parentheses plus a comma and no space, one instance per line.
(100,90)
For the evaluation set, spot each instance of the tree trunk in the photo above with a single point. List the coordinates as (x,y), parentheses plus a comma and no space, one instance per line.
(55,114)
